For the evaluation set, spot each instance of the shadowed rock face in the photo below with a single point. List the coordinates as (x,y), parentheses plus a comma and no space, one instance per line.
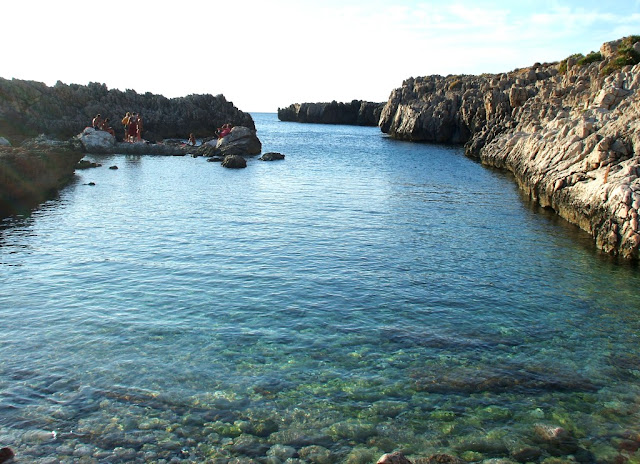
(569,132)
(29,175)
(29,108)
(356,113)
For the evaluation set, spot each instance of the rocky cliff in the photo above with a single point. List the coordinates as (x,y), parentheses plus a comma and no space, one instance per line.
(29,108)
(31,174)
(357,113)
(568,131)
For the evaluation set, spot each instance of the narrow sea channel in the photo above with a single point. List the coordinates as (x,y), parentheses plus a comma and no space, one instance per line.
(362,296)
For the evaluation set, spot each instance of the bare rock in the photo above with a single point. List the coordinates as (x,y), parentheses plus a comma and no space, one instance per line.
(394,458)
(234,162)
(240,141)
(271,156)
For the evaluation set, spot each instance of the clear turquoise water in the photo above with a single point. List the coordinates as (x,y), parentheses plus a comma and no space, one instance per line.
(362,296)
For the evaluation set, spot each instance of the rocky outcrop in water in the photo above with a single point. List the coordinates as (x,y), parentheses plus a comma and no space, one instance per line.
(234,162)
(240,141)
(568,131)
(29,108)
(31,174)
(357,113)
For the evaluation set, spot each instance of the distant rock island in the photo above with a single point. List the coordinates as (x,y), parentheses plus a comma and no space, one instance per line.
(568,131)
(28,109)
(357,112)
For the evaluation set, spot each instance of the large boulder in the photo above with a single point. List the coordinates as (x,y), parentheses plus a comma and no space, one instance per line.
(234,162)
(4,142)
(240,141)
(97,141)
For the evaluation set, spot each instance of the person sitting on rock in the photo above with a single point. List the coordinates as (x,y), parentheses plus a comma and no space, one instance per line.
(106,127)
(192,140)
(97,122)
(224,130)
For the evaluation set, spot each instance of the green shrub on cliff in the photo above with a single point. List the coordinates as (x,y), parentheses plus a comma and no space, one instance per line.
(626,55)
(563,64)
(590,58)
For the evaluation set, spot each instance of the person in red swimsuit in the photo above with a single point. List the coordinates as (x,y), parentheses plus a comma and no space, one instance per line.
(133,127)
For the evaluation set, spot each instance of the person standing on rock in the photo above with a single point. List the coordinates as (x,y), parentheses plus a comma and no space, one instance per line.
(139,129)
(133,128)
(125,123)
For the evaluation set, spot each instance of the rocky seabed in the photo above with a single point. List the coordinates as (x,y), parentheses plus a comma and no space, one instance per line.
(571,137)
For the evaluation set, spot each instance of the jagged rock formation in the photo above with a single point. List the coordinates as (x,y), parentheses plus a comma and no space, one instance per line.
(29,108)
(568,131)
(356,113)
(31,174)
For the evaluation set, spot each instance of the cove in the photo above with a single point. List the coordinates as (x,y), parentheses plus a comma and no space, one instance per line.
(363,295)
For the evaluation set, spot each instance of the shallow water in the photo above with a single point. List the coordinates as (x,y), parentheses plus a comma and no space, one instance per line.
(362,296)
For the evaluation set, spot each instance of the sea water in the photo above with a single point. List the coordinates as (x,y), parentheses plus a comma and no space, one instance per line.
(363,295)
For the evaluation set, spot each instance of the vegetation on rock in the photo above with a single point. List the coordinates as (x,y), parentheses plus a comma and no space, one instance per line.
(29,108)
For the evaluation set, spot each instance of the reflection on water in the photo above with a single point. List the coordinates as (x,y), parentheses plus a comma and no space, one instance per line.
(362,296)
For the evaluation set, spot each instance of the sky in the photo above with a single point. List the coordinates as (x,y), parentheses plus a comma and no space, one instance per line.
(262,55)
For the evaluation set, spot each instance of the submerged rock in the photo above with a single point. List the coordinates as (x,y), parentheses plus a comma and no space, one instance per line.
(462,379)
(393,458)
(556,440)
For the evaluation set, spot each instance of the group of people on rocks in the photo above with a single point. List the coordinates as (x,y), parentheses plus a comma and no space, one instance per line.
(102,124)
(132,123)
(220,133)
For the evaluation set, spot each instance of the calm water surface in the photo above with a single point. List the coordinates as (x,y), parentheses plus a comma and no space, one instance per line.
(362,296)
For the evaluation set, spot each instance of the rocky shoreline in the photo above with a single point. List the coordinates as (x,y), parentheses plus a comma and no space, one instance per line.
(28,109)
(31,174)
(568,131)
(356,113)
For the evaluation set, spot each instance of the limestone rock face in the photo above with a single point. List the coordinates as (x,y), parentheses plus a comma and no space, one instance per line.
(358,113)
(569,132)
(240,141)
(97,141)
